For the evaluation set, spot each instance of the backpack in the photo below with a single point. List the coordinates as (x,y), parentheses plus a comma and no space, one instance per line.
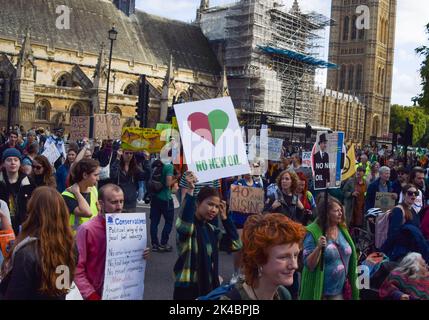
(155,183)
(382,228)
(228,290)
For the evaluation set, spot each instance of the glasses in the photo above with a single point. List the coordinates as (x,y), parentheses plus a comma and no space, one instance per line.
(412,193)
(128,153)
(37,167)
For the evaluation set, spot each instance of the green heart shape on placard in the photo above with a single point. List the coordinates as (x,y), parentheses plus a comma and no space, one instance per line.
(218,121)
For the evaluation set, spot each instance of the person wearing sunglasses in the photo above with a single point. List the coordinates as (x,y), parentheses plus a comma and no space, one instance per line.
(126,173)
(42,174)
(404,234)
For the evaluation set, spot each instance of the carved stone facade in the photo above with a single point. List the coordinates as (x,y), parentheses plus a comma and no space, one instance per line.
(47,75)
(365,59)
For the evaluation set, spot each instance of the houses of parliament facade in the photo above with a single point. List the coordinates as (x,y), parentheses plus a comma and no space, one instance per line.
(48,74)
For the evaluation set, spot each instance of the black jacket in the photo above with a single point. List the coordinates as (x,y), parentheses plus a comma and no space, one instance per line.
(129,183)
(290,210)
(26,188)
(24,279)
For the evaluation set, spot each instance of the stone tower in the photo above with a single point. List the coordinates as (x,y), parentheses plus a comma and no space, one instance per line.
(362,44)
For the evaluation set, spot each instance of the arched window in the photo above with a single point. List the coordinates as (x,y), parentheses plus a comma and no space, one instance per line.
(375,126)
(379,80)
(42,110)
(117,110)
(65,80)
(346,28)
(131,90)
(354,29)
(351,77)
(383,80)
(76,110)
(386,31)
(2,88)
(342,78)
(359,76)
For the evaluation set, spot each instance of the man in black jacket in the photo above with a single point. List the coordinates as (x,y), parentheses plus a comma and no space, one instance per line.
(321,164)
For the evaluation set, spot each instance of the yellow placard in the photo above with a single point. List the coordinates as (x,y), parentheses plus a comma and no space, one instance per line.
(142,139)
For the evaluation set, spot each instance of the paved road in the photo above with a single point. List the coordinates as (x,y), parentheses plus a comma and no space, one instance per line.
(159,278)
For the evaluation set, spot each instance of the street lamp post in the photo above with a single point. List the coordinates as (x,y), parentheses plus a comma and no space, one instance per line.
(112,36)
(294,110)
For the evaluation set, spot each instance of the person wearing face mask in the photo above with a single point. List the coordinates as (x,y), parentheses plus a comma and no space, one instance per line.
(91,243)
(271,245)
(197,267)
(15,187)
(404,234)
(337,279)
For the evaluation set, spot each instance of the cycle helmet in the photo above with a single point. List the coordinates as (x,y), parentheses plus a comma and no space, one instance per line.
(373,212)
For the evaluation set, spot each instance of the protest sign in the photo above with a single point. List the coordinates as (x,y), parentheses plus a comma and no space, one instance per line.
(212,139)
(141,139)
(79,128)
(107,126)
(384,201)
(328,160)
(7,239)
(274,149)
(349,169)
(306,159)
(114,126)
(125,267)
(51,153)
(246,200)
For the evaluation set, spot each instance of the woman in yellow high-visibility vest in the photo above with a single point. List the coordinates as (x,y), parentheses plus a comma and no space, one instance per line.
(81,198)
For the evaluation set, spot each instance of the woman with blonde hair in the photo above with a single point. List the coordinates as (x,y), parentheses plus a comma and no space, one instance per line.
(44,244)
(285,200)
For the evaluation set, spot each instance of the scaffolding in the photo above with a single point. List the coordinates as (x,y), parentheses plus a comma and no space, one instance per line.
(271,58)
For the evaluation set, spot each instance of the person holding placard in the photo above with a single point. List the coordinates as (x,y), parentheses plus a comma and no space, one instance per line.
(239,218)
(197,270)
(91,243)
(382,184)
(15,187)
(31,271)
(81,198)
(57,139)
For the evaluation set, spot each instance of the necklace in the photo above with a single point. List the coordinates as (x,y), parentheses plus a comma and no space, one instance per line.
(254,293)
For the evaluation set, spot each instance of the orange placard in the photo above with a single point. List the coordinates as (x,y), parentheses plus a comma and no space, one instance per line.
(7,239)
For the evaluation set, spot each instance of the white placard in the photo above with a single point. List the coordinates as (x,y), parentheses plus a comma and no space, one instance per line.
(306,159)
(212,139)
(125,267)
(273,152)
(51,153)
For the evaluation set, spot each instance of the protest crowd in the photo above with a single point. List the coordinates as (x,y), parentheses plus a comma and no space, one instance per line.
(295,237)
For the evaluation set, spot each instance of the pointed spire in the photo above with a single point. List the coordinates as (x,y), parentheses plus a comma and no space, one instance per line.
(26,52)
(295,8)
(170,72)
(224,84)
(101,62)
(205,4)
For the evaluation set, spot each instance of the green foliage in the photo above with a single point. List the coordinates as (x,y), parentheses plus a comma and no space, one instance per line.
(423,98)
(418,118)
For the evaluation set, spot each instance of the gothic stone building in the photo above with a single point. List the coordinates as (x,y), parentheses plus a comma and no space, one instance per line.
(365,60)
(50,71)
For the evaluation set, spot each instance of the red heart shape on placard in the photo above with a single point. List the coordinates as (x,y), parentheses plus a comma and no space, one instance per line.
(199,124)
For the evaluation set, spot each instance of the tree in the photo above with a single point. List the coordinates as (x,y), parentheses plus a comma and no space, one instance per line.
(423,98)
(417,116)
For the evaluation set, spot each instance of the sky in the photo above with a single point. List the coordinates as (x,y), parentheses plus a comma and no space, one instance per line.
(412,18)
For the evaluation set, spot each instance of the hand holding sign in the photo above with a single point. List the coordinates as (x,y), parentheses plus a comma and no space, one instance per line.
(222,210)
(191,180)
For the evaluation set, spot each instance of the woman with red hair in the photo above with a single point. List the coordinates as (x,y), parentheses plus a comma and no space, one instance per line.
(306,198)
(271,245)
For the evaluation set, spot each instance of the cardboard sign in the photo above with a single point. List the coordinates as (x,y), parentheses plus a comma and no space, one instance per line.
(125,267)
(107,126)
(212,139)
(306,159)
(246,200)
(51,153)
(384,201)
(79,128)
(327,160)
(274,149)
(142,139)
